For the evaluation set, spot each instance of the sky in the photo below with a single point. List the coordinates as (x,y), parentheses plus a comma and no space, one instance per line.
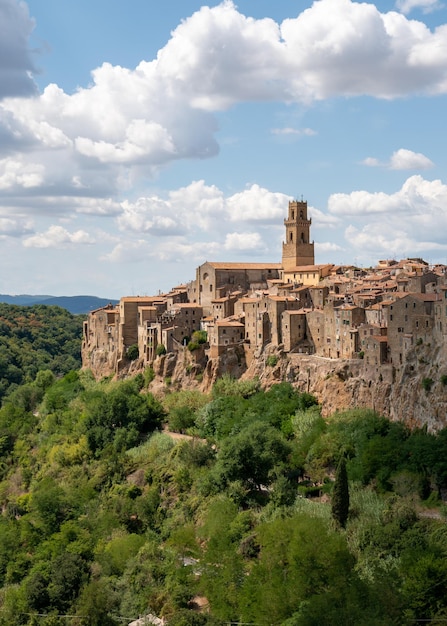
(139,140)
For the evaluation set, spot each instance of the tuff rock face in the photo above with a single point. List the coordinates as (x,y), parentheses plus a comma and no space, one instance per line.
(414,392)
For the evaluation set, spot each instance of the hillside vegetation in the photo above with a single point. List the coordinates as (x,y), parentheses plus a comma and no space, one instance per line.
(106,518)
(37,337)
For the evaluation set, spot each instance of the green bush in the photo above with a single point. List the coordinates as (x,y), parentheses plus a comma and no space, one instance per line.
(271,360)
(132,352)
(160,349)
(427,383)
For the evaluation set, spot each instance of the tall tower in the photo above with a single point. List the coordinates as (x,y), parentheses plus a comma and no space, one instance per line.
(297,249)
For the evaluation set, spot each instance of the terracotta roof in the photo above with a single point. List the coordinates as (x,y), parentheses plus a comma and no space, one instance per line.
(242,266)
(425,297)
(143,298)
(188,305)
(307,268)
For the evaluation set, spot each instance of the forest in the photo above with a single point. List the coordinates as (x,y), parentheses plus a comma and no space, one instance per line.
(258,511)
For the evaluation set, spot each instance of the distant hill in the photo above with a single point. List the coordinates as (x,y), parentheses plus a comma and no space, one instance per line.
(77,305)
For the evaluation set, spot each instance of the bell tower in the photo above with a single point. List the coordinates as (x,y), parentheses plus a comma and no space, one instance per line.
(297,249)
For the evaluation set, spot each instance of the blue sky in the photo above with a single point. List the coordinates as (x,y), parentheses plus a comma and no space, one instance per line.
(139,140)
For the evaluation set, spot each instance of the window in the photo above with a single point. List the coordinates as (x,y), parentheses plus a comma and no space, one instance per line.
(211,288)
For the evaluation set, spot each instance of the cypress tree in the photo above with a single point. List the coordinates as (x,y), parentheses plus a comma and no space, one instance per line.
(340,495)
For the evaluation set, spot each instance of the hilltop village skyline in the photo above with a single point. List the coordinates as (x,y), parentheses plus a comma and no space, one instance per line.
(331,311)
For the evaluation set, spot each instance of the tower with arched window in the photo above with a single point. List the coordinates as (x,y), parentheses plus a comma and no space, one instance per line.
(297,250)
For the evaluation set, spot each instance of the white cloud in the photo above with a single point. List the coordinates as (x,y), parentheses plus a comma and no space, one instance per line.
(412,220)
(408,160)
(402,159)
(201,208)
(14,227)
(372,162)
(427,6)
(257,204)
(57,237)
(244,242)
(163,109)
(16,173)
(327,246)
(298,132)
(196,207)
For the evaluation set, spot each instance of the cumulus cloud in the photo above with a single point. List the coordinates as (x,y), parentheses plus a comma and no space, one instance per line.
(402,160)
(201,208)
(257,204)
(163,110)
(408,160)
(244,242)
(380,222)
(16,65)
(58,237)
(427,6)
(16,173)
(14,227)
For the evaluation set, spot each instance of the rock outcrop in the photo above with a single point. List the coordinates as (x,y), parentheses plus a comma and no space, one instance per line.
(414,393)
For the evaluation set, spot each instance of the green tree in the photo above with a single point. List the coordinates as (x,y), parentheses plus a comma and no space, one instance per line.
(252,455)
(340,495)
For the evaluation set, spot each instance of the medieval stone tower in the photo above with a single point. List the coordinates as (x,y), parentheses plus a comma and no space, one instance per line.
(297,249)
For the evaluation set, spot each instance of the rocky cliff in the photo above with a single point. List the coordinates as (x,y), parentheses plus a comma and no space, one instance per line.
(414,392)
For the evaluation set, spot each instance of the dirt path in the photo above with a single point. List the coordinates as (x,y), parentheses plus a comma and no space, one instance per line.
(180,436)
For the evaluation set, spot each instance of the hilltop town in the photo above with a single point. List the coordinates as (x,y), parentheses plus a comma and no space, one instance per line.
(374,319)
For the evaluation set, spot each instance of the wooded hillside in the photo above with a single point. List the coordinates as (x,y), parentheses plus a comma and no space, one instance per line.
(34,338)
(106,518)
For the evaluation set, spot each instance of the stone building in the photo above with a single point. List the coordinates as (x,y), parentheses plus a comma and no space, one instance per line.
(335,312)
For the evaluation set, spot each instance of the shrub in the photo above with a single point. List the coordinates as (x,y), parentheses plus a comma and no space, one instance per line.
(200,336)
(444,379)
(149,375)
(132,352)
(160,349)
(427,383)
(271,360)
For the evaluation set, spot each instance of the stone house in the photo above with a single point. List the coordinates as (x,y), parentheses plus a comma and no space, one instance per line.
(294,331)
(216,280)
(373,343)
(411,319)
(101,329)
(223,335)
